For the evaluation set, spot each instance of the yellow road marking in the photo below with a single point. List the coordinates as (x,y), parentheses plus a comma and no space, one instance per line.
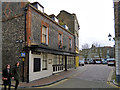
(108,79)
(2,86)
(112,84)
(53,84)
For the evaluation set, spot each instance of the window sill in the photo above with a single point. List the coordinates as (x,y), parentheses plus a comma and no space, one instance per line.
(44,44)
(44,69)
(36,71)
(60,47)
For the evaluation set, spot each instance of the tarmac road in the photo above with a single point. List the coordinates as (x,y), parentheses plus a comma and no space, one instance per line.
(88,76)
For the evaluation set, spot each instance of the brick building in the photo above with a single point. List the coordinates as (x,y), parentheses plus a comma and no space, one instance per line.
(71,21)
(40,43)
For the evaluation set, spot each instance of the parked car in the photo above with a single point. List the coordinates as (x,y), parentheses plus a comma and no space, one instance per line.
(111,61)
(81,62)
(97,61)
(104,61)
(91,62)
(86,62)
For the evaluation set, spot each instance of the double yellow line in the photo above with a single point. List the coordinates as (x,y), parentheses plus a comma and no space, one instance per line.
(3,86)
(53,84)
(109,79)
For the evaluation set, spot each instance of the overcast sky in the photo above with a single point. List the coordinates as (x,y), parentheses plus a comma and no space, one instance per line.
(96,18)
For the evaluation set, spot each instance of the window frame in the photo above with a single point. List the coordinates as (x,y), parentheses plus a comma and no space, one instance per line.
(44,60)
(60,32)
(46,25)
(70,47)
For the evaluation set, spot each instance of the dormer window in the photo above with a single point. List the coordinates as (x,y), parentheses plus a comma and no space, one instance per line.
(53,17)
(38,6)
(65,26)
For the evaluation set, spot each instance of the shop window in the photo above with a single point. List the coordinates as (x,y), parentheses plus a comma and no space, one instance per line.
(37,64)
(44,62)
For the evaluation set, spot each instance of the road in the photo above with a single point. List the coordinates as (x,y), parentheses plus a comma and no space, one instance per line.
(88,76)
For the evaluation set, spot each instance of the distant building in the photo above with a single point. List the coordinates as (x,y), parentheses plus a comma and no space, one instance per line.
(94,53)
(37,40)
(71,21)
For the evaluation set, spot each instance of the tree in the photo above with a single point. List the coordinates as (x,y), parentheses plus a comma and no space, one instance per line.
(85,46)
(96,44)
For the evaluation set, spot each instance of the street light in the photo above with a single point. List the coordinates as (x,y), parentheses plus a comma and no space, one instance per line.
(109,36)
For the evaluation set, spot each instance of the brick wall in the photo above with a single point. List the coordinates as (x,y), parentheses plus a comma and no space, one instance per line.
(67,19)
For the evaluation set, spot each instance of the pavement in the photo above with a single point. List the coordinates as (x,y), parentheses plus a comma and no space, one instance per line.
(47,80)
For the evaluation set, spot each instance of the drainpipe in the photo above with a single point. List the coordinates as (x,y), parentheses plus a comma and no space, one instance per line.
(25,13)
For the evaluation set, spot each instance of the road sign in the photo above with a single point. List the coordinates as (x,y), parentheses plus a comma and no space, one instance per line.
(22,54)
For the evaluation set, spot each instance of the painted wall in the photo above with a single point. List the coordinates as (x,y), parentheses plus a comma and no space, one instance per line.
(42,73)
(77,61)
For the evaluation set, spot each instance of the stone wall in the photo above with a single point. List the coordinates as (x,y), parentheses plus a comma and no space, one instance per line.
(12,30)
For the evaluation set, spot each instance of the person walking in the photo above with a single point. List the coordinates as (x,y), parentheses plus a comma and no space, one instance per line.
(16,74)
(6,77)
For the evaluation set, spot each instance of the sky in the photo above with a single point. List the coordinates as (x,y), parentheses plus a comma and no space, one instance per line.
(95,17)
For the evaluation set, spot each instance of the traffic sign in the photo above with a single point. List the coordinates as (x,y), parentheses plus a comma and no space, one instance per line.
(22,54)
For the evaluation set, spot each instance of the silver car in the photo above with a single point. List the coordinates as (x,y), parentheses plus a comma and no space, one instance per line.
(81,62)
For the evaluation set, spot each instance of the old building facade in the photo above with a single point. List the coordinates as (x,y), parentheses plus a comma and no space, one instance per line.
(71,21)
(41,44)
(117,37)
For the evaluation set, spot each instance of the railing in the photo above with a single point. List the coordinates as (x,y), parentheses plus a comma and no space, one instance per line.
(57,68)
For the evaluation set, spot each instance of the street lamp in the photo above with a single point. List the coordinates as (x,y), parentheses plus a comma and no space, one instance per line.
(109,36)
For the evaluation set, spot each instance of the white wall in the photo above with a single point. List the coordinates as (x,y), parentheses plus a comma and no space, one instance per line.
(42,73)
